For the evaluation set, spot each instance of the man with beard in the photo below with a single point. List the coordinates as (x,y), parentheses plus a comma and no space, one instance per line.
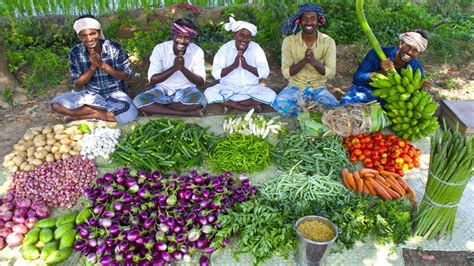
(238,65)
(412,45)
(308,59)
(176,68)
(99,66)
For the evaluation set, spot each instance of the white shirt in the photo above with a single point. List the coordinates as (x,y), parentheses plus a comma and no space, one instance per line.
(163,57)
(255,57)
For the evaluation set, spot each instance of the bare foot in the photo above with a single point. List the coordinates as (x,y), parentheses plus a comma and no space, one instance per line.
(257,108)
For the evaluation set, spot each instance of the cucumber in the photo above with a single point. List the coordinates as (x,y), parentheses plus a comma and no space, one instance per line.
(83,216)
(32,236)
(30,252)
(67,218)
(59,256)
(68,239)
(59,232)
(46,223)
(48,249)
(46,235)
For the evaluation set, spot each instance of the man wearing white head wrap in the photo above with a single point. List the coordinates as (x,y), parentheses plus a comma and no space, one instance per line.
(234,26)
(239,65)
(99,66)
(412,45)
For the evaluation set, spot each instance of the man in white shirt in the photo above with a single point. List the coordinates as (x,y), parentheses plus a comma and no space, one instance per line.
(239,64)
(176,68)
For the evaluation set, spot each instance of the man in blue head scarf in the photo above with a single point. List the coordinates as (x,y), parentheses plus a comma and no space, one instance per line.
(308,58)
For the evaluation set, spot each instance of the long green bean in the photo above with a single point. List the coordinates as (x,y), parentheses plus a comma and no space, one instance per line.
(291,188)
(325,156)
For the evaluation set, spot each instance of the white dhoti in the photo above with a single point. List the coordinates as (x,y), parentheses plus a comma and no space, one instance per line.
(221,93)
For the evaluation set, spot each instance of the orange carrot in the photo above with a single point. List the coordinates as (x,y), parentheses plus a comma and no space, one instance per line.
(380,190)
(344,181)
(381,180)
(387,173)
(365,190)
(390,191)
(402,183)
(350,181)
(364,171)
(395,186)
(369,175)
(370,187)
(359,182)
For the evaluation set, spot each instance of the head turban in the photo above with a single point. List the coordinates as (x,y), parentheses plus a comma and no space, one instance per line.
(414,39)
(238,25)
(181,29)
(88,23)
(291,25)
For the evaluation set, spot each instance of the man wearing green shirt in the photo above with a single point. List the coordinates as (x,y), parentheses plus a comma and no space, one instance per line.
(308,59)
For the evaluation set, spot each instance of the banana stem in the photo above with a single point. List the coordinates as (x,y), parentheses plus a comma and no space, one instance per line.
(368,31)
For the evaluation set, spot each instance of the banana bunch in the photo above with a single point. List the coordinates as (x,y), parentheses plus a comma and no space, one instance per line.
(410,108)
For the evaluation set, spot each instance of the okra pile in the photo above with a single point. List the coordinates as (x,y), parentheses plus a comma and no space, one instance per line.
(164,145)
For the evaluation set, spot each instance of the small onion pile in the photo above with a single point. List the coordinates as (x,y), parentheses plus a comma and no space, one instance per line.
(17,219)
(58,184)
(101,142)
(143,218)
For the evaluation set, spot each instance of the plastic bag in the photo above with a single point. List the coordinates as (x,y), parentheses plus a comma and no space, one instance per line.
(311,125)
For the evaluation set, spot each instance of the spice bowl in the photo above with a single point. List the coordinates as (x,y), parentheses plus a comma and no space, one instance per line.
(315,234)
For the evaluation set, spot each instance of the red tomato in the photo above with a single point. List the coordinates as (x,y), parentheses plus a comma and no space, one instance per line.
(401,143)
(366,152)
(369,165)
(379,167)
(397,166)
(357,152)
(383,160)
(390,169)
(361,157)
(378,136)
(353,158)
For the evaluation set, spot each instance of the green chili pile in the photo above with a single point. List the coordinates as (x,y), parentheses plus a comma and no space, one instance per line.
(164,145)
(241,154)
(322,156)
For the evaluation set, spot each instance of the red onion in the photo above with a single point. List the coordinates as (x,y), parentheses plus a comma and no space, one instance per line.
(2,243)
(43,212)
(14,239)
(7,206)
(20,228)
(24,203)
(5,232)
(18,219)
(30,222)
(9,224)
